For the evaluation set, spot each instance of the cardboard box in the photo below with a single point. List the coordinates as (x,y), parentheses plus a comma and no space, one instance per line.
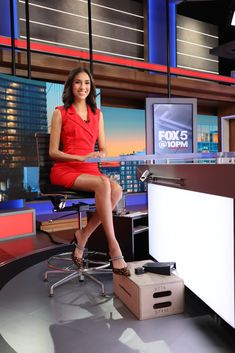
(150,295)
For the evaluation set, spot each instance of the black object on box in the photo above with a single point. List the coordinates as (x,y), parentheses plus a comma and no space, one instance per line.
(161,268)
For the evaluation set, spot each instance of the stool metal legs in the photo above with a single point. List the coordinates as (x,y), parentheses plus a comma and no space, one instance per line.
(71,271)
(91,267)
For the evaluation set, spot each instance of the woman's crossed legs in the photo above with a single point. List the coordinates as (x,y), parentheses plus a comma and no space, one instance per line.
(107,194)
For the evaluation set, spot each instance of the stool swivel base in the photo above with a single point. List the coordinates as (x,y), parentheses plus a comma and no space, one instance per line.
(63,264)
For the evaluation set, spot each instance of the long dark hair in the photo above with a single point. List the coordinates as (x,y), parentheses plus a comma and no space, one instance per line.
(68,97)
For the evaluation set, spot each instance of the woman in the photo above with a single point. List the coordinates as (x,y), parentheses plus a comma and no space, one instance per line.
(78,124)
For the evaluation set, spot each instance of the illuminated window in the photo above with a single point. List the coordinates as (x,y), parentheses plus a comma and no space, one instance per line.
(11,124)
(14,84)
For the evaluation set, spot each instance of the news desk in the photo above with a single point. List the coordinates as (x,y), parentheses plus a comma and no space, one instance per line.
(191,222)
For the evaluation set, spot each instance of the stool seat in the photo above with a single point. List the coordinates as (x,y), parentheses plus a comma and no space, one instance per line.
(51,189)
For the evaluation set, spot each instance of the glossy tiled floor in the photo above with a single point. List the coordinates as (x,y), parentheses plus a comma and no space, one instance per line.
(78,319)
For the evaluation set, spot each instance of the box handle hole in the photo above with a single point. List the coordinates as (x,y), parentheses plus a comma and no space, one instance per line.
(165,293)
(161,305)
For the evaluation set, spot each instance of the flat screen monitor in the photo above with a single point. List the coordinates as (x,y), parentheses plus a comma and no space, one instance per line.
(170,125)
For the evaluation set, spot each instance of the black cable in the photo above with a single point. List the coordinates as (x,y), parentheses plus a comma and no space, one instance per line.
(90,36)
(168,50)
(28,38)
(49,234)
(13,59)
(51,238)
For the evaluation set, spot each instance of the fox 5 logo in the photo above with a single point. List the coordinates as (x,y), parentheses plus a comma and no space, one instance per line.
(173,138)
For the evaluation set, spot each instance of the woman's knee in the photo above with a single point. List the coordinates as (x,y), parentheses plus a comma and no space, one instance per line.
(104,185)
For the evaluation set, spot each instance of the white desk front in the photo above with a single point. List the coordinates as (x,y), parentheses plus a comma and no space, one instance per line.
(193,225)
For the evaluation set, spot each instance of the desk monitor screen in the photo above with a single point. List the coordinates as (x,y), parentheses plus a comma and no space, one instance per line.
(170,125)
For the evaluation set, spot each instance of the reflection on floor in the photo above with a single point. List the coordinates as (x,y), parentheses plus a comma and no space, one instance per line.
(12,249)
(77,319)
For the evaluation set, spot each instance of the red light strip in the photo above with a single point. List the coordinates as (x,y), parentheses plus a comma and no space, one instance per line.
(51,49)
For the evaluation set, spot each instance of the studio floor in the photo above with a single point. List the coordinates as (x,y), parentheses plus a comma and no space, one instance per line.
(79,319)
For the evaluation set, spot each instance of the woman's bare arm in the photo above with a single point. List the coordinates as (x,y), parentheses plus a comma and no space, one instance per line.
(54,151)
(101,137)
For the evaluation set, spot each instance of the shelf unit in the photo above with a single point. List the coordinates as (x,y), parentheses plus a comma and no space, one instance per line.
(132,234)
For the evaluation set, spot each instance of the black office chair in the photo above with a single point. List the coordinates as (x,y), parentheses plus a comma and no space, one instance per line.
(59,195)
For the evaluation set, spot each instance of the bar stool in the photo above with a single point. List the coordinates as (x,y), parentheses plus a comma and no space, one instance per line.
(62,263)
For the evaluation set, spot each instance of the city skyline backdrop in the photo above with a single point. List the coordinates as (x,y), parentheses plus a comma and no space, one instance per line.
(27,107)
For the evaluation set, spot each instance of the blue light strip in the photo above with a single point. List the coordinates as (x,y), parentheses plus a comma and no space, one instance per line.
(173,49)
(151,30)
(157,32)
(12,204)
(5,23)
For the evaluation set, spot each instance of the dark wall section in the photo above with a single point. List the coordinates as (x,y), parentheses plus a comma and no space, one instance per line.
(194,40)
(215,12)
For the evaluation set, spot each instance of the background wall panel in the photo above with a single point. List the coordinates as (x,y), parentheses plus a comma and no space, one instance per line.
(194,40)
(117,27)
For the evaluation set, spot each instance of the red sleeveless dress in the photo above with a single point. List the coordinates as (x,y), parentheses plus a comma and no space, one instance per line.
(77,137)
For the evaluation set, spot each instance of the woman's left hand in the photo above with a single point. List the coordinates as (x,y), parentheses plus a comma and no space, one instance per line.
(101,154)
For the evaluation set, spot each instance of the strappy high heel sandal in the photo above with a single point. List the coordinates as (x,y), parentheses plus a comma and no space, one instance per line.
(78,261)
(124,271)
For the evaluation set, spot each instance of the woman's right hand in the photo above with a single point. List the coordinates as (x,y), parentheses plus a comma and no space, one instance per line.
(89,155)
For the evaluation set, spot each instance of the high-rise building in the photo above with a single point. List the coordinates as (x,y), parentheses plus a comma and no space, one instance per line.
(22,113)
